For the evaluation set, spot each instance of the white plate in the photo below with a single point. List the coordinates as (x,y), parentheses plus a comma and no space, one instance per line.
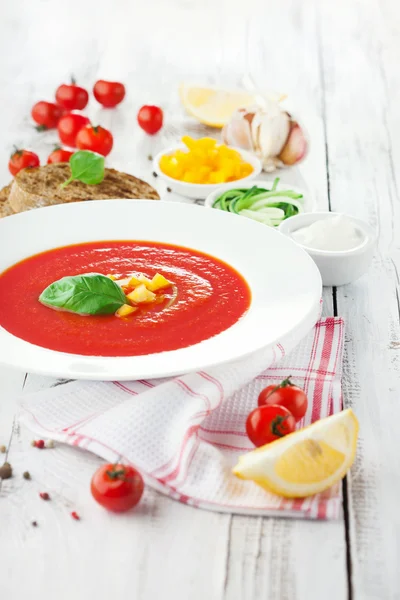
(201,190)
(309,202)
(284,281)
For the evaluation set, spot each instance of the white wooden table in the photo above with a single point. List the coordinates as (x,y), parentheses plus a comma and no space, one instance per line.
(339,62)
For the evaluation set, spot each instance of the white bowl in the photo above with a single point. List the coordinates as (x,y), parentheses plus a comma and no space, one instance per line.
(283,312)
(309,202)
(202,190)
(341,266)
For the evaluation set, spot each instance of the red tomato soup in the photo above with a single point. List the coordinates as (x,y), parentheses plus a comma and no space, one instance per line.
(207,297)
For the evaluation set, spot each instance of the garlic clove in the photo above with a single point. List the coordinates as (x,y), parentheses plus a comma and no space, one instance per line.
(273,133)
(237,132)
(249,116)
(255,133)
(295,147)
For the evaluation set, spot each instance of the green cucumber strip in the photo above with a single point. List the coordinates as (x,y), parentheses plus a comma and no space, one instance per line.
(275,213)
(232,204)
(286,199)
(222,202)
(275,184)
(222,199)
(228,195)
(247,199)
(284,193)
(290,211)
(251,214)
(259,196)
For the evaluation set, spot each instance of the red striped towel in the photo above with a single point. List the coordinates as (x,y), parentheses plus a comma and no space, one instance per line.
(185,433)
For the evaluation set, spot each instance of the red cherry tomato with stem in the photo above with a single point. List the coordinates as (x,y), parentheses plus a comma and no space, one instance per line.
(109,93)
(150,118)
(285,394)
(97,139)
(69,126)
(117,487)
(59,155)
(72,97)
(268,423)
(46,114)
(22,159)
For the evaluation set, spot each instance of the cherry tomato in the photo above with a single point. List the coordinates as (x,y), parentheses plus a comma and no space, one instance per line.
(109,93)
(59,155)
(150,119)
(97,139)
(72,96)
(268,423)
(69,126)
(285,394)
(21,159)
(117,487)
(46,114)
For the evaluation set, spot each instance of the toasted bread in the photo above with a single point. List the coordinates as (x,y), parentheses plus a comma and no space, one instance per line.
(41,186)
(5,206)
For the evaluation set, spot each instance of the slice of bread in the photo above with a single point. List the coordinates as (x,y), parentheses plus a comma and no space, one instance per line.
(5,206)
(41,186)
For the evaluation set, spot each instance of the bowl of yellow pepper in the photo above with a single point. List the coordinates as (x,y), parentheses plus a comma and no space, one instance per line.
(196,168)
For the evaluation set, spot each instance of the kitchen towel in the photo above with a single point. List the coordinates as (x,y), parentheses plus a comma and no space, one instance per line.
(185,433)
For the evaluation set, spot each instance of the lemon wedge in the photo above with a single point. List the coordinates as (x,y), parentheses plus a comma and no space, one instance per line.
(305,462)
(213,106)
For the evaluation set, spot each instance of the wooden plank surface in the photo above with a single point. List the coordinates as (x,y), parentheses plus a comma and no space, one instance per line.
(362,134)
(339,64)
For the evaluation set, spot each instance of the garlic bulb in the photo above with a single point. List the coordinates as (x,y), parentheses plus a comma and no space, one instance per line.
(269,132)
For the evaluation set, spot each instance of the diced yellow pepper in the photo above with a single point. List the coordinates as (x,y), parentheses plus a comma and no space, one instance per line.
(181,156)
(134,282)
(111,277)
(217,177)
(191,177)
(246,170)
(212,155)
(206,143)
(189,142)
(143,279)
(205,162)
(165,162)
(141,295)
(158,283)
(125,310)
(198,156)
(226,152)
(204,173)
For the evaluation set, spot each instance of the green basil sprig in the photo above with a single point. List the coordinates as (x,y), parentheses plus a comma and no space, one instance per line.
(87,167)
(90,294)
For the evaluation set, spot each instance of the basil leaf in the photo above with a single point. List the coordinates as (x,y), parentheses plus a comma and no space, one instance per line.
(87,167)
(89,294)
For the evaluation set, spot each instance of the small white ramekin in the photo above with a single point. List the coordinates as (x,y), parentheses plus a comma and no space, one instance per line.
(337,267)
(202,190)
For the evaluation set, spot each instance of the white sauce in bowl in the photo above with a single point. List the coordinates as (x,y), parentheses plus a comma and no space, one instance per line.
(333,234)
